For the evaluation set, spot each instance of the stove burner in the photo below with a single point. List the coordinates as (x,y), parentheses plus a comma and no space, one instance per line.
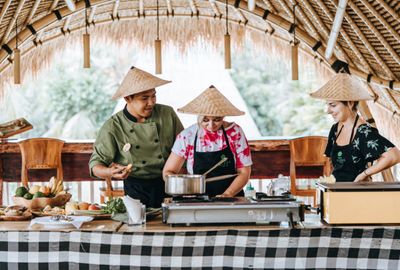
(191,198)
(224,199)
(261,196)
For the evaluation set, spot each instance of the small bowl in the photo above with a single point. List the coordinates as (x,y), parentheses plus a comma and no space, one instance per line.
(40,203)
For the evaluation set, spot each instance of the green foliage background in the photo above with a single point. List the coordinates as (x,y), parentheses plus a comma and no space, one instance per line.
(279,105)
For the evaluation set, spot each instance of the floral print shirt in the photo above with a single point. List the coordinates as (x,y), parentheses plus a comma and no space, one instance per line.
(350,160)
(212,141)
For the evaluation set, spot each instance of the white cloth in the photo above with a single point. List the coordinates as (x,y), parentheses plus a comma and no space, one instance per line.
(134,208)
(76,221)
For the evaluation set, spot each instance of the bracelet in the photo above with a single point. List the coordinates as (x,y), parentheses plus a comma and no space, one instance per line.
(365,173)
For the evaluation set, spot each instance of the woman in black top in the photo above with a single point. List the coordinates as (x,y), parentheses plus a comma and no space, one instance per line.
(352,143)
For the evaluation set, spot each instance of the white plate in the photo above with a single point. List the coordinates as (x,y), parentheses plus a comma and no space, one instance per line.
(48,222)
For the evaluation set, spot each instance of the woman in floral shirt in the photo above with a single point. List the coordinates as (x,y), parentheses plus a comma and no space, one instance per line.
(203,144)
(352,143)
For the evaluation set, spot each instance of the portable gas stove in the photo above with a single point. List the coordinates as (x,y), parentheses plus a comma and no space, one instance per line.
(202,209)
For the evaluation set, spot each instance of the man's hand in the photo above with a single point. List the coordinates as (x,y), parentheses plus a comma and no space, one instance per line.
(118,171)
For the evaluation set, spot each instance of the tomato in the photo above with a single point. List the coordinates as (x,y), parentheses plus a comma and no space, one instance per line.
(94,207)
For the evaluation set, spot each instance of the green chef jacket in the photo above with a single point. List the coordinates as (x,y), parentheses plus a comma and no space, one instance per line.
(150,142)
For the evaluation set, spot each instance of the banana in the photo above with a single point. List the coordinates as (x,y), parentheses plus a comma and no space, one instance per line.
(60,186)
(54,186)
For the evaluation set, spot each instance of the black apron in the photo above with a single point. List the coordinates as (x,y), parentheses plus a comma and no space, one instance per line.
(341,156)
(203,161)
(150,192)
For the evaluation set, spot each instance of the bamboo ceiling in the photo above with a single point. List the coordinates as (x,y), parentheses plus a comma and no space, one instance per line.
(369,39)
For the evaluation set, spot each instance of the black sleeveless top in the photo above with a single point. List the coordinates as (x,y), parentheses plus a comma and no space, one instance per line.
(352,159)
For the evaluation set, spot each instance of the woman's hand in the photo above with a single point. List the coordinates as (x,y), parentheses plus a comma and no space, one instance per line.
(362,177)
(238,183)
(173,165)
(226,194)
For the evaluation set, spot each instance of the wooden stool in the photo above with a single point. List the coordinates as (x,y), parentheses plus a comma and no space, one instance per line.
(307,152)
(39,154)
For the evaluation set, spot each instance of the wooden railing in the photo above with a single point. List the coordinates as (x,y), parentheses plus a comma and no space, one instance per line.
(270,158)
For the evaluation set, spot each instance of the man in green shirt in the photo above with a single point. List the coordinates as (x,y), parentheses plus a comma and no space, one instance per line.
(141,136)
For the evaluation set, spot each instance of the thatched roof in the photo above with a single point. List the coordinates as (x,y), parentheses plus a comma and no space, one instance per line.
(369,38)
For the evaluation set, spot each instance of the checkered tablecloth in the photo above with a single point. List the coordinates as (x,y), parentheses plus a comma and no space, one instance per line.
(335,248)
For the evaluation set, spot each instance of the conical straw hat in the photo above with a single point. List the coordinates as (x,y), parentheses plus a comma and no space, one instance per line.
(211,103)
(137,81)
(342,87)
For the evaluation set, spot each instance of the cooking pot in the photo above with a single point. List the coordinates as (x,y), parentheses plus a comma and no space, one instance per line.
(189,184)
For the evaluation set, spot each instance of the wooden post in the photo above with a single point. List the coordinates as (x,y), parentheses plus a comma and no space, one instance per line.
(17,66)
(157,45)
(295,61)
(86,50)
(227,43)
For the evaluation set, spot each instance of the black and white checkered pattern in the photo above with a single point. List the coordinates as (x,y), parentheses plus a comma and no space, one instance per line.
(334,248)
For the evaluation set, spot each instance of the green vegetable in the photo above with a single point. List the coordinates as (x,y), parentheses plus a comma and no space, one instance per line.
(21,191)
(28,196)
(115,206)
(38,195)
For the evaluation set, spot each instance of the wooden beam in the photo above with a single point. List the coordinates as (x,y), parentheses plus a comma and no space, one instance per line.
(53,5)
(381,19)
(346,37)
(371,49)
(305,19)
(215,8)
(389,98)
(363,39)
(286,9)
(335,29)
(270,6)
(92,13)
(193,7)
(301,22)
(12,22)
(375,31)
(32,12)
(115,9)
(4,9)
(169,6)
(141,7)
(66,23)
(38,37)
(70,4)
(242,18)
(273,18)
(310,41)
(390,10)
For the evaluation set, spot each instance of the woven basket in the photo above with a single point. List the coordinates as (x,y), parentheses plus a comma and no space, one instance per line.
(40,203)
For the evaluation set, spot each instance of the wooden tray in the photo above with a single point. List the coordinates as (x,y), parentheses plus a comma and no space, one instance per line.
(25,216)
(14,127)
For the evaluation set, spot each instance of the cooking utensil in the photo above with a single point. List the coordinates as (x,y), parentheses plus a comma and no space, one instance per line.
(191,184)
(215,166)
(222,177)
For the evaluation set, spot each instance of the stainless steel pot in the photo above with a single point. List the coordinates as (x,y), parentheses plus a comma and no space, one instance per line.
(189,184)
(185,184)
